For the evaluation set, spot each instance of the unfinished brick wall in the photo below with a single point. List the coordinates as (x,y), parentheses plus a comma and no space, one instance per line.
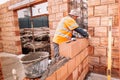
(77,67)
(57,9)
(10,37)
(99,12)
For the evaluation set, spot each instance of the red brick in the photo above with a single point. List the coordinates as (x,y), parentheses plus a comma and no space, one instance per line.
(62,75)
(52,17)
(55,23)
(71,67)
(93,21)
(100,31)
(90,50)
(115,63)
(85,63)
(70,77)
(103,61)
(55,9)
(104,41)
(84,73)
(115,31)
(91,31)
(107,1)
(94,41)
(52,77)
(90,11)
(64,7)
(93,60)
(59,16)
(93,2)
(101,10)
(100,51)
(75,74)
(80,69)
(105,20)
(113,9)
(116,42)
(115,53)
(69,50)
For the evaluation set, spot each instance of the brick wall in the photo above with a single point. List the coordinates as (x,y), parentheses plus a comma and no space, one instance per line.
(10,37)
(77,67)
(57,9)
(99,12)
(1,73)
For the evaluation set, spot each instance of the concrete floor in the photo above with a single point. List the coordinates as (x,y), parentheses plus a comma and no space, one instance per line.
(94,76)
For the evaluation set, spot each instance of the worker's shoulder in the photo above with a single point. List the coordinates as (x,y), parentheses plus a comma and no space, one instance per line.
(68,19)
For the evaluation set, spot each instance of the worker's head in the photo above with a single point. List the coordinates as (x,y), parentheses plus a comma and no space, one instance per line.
(74,13)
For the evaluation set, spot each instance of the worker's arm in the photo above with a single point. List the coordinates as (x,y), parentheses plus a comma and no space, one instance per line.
(82,32)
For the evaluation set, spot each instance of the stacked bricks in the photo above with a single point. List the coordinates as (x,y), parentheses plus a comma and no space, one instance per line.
(10,36)
(77,67)
(119,34)
(1,73)
(57,9)
(99,12)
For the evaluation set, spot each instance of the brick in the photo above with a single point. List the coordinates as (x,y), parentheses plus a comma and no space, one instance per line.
(55,23)
(100,51)
(116,42)
(104,41)
(70,77)
(115,63)
(75,74)
(113,9)
(107,1)
(69,50)
(100,31)
(71,67)
(101,10)
(115,53)
(90,50)
(105,20)
(100,70)
(52,77)
(93,2)
(59,16)
(55,9)
(103,61)
(83,74)
(64,7)
(85,63)
(62,75)
(52,17)
(115,20)
(91,31)
(80,69)
(90,11)
(94,41)
(94,60)
(93,21)
(115,31)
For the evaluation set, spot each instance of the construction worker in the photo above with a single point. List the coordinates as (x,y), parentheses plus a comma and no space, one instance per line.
(65,29)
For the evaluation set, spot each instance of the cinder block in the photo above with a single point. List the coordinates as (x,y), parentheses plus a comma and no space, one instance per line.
(52,77)
(93,21)
(101,10)
(93,2)
(100,31)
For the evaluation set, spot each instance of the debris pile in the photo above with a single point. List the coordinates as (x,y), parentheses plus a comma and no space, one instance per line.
(35,39)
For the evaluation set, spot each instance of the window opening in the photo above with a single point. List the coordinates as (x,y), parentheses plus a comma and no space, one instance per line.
(34,28)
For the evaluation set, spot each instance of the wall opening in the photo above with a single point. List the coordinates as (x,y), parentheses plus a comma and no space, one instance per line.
(34,28)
